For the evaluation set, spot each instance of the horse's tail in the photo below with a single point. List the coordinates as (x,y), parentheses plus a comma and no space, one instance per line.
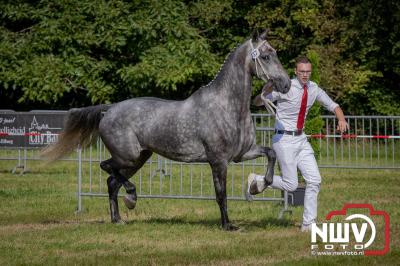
(80,128)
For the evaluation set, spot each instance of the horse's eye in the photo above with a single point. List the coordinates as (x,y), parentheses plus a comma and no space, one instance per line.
(265,57)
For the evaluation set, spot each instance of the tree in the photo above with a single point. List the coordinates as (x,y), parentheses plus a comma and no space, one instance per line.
(99,51)
(372,41)
(72,53)
(357,42)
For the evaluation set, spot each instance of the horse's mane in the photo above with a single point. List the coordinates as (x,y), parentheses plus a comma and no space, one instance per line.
(222,70)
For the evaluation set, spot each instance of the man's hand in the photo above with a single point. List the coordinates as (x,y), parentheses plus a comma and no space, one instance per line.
(267,89)
(258,101)
(342,126)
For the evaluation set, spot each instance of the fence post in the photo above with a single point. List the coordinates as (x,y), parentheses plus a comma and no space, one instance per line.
(285,206)
(79,194)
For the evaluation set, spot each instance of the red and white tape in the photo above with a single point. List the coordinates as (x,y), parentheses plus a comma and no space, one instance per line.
(2,134)
(353,136)
(317,136)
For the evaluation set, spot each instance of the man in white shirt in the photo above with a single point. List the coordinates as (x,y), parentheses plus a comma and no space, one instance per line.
(292,148)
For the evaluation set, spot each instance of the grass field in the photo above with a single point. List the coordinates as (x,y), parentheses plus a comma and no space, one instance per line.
(38,224)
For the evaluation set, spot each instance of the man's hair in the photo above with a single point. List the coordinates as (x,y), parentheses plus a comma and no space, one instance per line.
(302,60)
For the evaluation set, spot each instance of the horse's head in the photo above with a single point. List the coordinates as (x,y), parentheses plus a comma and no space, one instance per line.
(266,64)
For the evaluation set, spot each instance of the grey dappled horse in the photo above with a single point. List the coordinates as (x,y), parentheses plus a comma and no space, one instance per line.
(213,125)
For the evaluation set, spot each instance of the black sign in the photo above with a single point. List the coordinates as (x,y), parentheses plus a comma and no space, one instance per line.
(30,129)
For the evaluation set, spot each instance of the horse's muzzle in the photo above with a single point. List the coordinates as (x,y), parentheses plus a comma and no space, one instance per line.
(282,85)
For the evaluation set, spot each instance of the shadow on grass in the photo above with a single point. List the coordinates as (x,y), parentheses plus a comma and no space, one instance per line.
(177,221)
(269,222)
(212,223)
(205,224)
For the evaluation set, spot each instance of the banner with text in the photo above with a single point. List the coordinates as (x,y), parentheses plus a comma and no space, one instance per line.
(30,129)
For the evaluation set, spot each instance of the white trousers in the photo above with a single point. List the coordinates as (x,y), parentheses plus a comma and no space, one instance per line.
(295,152)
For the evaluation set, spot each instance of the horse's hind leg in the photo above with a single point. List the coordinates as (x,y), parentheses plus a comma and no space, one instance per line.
(113,187)
(131,197)
(119,177)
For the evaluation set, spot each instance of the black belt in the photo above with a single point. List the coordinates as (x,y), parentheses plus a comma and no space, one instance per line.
(287,132)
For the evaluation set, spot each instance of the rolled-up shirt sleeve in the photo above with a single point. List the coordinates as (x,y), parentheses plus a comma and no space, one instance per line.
(326,101)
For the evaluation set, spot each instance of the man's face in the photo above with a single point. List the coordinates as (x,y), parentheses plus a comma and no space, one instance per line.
(303,72)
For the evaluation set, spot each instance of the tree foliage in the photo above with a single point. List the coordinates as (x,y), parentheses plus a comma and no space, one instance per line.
(102,50)
(65,53)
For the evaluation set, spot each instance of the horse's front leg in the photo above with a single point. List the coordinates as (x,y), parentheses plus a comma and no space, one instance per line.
(219,171)
(258,151)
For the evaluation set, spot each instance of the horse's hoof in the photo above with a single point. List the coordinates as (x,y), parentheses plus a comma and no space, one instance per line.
(129,203)
(268,181)
(231,227)
(118,222)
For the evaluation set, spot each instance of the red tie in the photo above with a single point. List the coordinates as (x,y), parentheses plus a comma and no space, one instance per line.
(303,107)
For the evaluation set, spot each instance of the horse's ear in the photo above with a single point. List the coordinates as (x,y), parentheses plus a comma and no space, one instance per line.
(264,35)
(255,35)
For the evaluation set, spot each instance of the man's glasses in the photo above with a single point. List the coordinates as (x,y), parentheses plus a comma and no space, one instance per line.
(304,73)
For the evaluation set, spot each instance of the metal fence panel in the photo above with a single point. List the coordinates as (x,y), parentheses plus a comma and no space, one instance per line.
(373,142)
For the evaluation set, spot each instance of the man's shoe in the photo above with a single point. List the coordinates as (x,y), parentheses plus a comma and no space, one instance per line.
(305,228)
(255,185)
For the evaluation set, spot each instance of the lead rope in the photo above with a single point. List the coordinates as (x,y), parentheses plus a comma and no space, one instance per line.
(269,105)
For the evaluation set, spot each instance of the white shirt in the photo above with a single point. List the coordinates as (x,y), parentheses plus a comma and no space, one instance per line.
(288,105)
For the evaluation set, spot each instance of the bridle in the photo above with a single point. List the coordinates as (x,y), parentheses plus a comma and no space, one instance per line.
(255,54)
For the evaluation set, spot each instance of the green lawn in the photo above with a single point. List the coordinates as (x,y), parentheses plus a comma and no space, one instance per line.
(38,224)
